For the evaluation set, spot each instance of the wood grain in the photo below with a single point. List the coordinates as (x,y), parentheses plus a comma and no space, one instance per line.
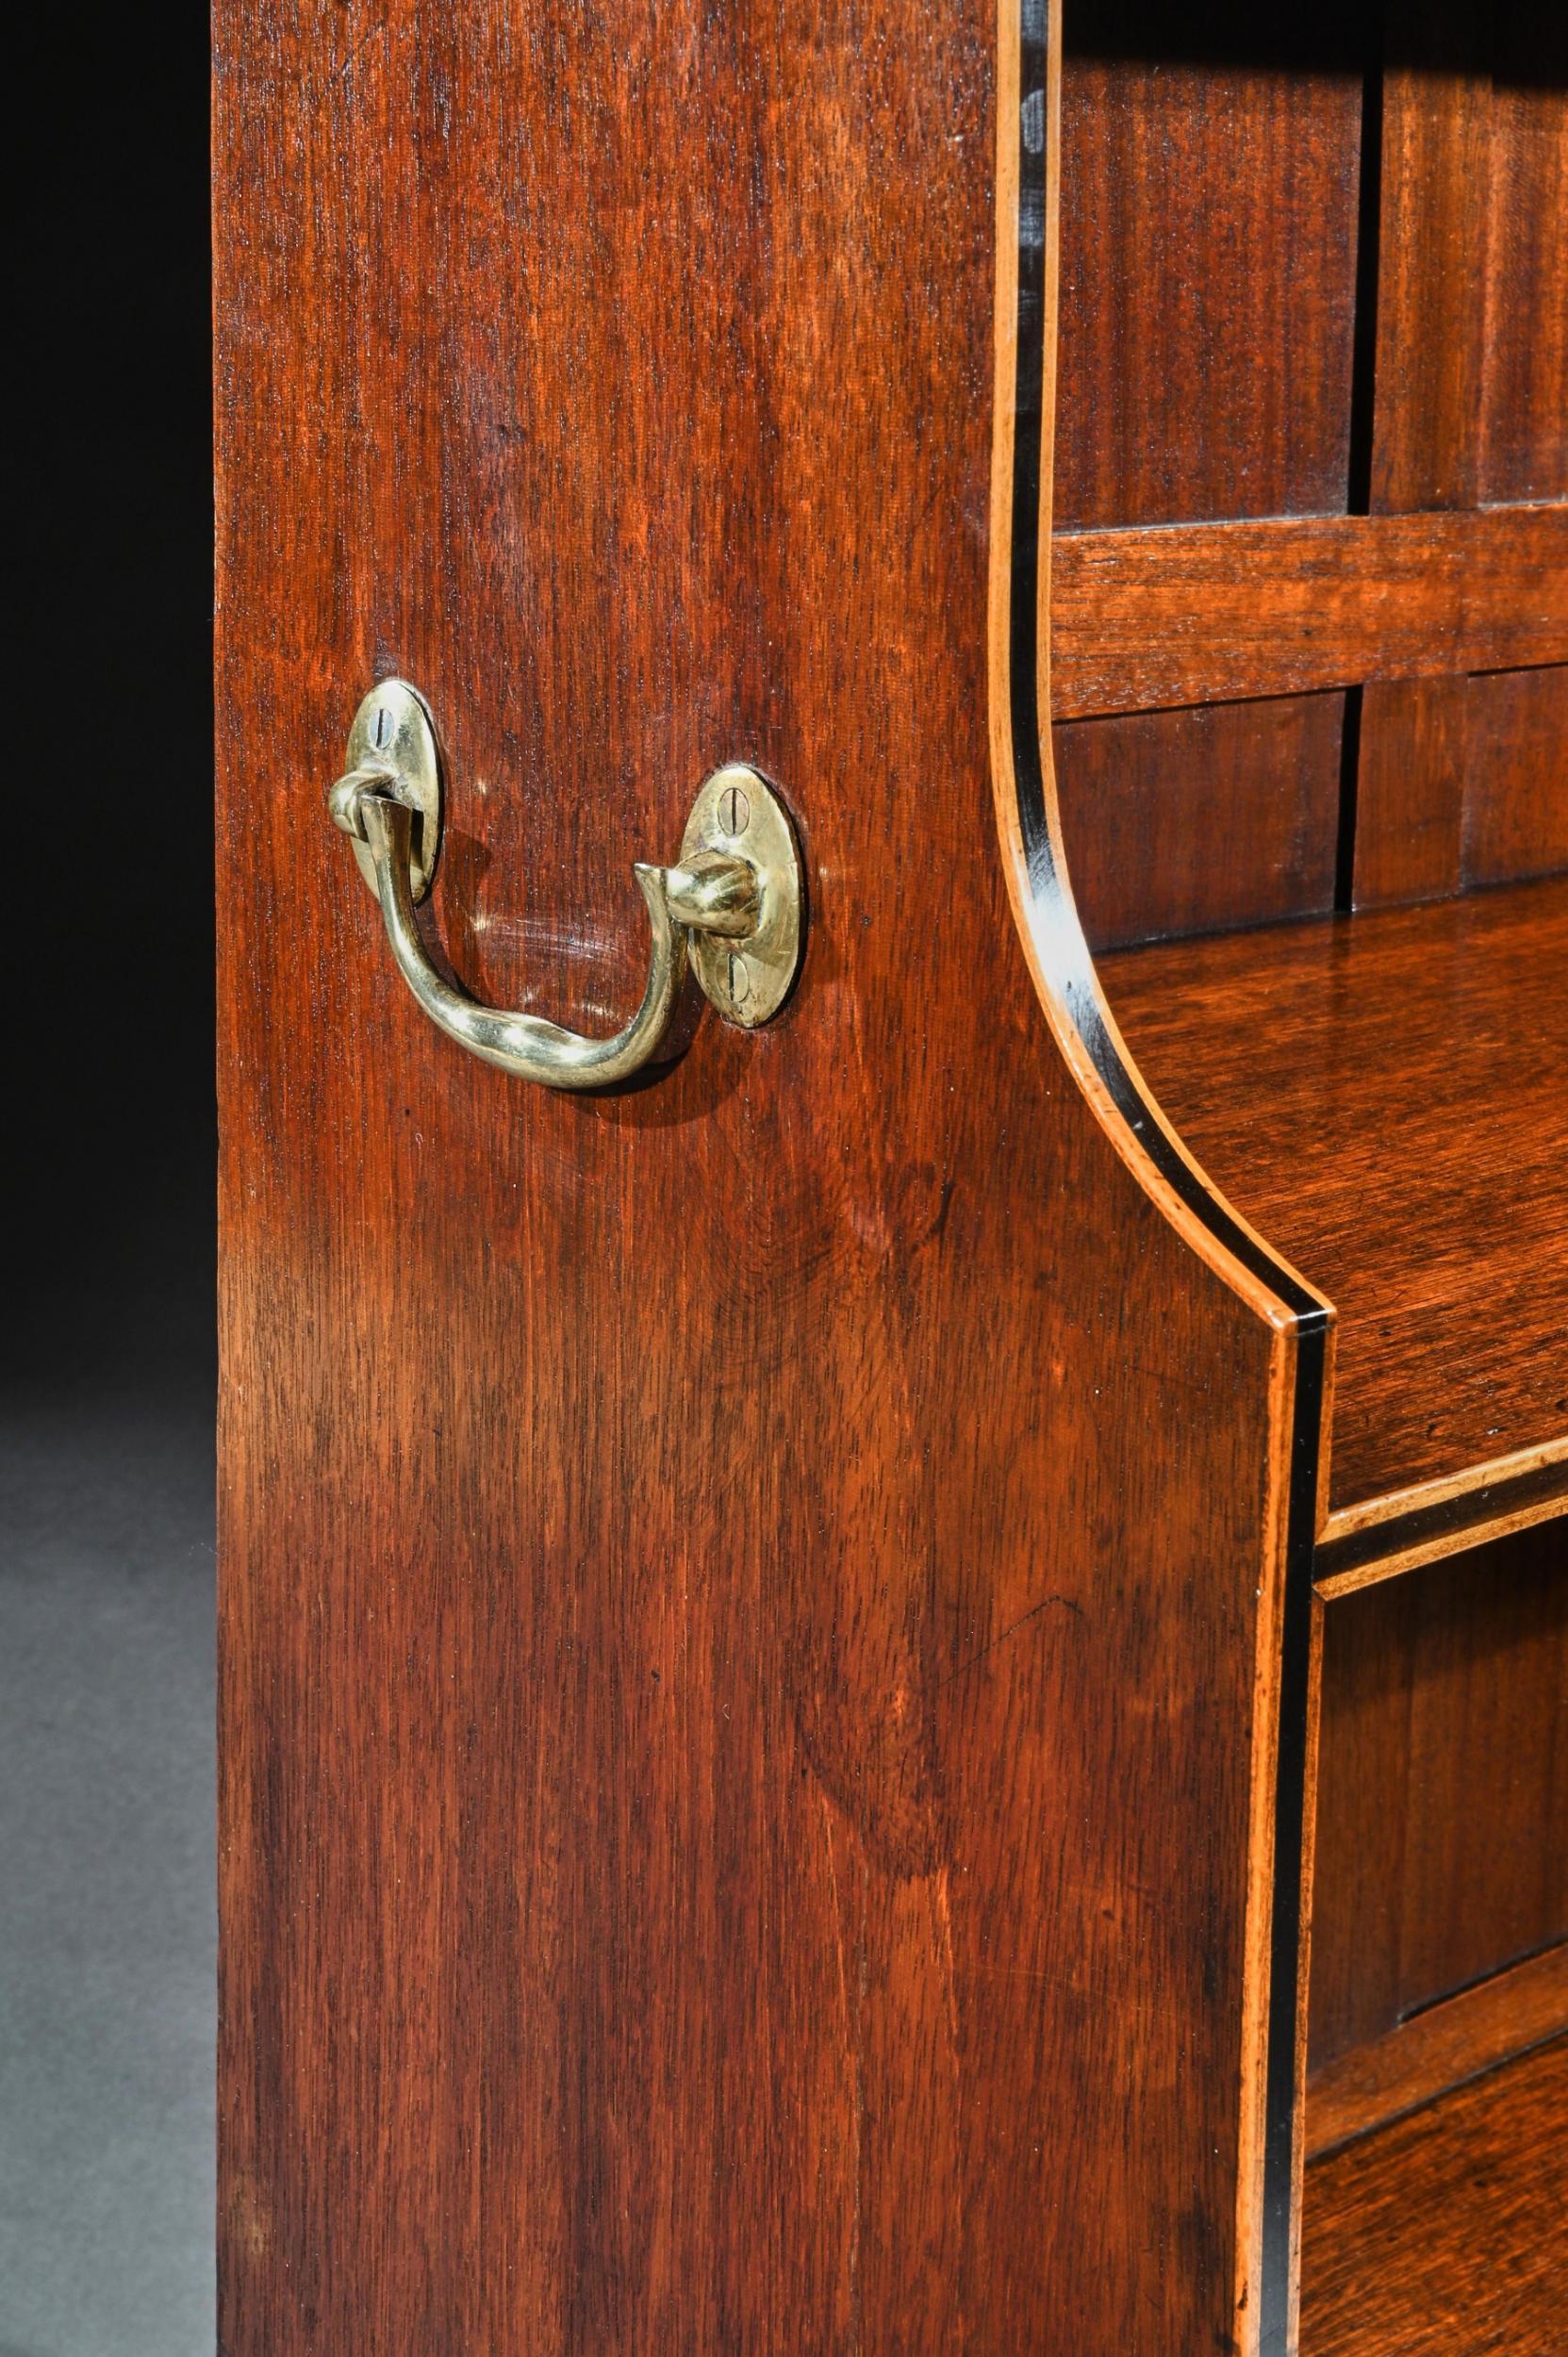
(1443,1784)
(1470,208)
(1339,1079)
(1462,782)
(1411,790)
(1516,775)
(1524,421)
(1446,2232)
(1431,322)
(1212,612)
(1194,822)
(1425,331)
(1208,277)
(1358,1545)
(1437,2049)
(696,1565)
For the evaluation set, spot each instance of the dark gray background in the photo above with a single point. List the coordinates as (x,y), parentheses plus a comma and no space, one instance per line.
(106,1934)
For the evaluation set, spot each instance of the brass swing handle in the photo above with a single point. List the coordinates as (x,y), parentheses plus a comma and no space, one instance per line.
(734,901)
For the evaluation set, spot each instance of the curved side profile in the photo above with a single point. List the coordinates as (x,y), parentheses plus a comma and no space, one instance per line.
(1028,212)
(752,1717)
(1028,178)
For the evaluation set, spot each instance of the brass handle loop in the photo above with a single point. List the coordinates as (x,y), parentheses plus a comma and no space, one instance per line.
(733,902)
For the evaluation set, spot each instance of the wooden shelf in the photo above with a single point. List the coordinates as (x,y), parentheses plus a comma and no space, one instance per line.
(1445,2235)
(1438,2048)
(1385,1099)
(1181,613)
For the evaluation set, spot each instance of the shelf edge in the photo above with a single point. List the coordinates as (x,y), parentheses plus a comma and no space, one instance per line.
(1399,1532)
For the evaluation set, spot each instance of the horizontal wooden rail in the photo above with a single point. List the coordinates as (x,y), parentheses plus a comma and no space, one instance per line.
(1186,614)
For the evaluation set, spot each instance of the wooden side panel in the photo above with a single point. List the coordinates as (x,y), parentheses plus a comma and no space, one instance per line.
(1194,822)
(1443,1784)
(702,1868)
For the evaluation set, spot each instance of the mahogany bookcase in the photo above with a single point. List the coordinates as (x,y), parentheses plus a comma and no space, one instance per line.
(896,1691)
(1309,639)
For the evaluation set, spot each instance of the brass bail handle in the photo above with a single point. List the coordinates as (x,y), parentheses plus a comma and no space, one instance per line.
(733,901)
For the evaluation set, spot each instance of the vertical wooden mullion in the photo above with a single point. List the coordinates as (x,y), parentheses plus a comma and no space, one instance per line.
(1427,420)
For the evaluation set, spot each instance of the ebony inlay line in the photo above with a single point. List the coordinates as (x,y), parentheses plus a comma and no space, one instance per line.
(1066,957)
(1447,1518)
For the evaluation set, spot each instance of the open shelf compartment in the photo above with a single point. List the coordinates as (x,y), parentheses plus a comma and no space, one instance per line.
(1385,1099)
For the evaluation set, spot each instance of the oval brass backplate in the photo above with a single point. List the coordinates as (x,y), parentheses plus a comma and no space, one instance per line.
(738,813)
(393,731)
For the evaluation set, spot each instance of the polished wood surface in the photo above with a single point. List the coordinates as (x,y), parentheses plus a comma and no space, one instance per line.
(1462,782)
(1446,2234)
(1524,364)
(1222,389)
(765,1618)
(1212,612)
(1411,772)
(1315,332)
(1358,1545)
(1523,453)
(1472,228)
(751,1660)
(1431,325)
(1341,1081)
(1438,2048)
(1210,242)
(1517,743)
(1443,1786)
(1197,820)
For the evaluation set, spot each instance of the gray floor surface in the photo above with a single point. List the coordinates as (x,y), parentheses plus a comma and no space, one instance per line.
(106,1878)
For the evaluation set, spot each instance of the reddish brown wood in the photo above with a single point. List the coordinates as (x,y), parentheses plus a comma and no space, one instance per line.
(751,1608)
(1210,612)
(1359,1822)
(1437,2049)
(1358,1545)
(1445,2232)
(1525,346)
(1461,782)
(1443,1786)
(1516,775)
(1343,1081)
(1486,1868)
(1472,206)
(1432,258)
(1411,790)
(1208,279)
(1209,267)
(1182,822)
(1430,319)
(757,1665)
